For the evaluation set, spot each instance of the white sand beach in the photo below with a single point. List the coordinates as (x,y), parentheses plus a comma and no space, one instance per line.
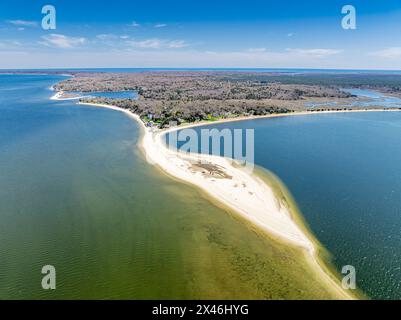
(245,193)
(60,95)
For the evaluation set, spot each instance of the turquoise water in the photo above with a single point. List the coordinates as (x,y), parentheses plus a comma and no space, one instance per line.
(111,95)
(116,95)
(344,171)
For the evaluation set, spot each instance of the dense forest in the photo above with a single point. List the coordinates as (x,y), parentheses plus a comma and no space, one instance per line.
(188,96)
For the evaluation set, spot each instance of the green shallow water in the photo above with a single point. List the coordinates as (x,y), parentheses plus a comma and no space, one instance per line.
(76,193)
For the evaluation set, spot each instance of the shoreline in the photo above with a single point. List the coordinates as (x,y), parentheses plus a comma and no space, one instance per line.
(178,165)
(274,115)
(277,223)
(284,227)
(59,96)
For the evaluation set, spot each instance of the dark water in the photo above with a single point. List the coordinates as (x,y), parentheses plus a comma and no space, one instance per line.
(344,171)
(76,193)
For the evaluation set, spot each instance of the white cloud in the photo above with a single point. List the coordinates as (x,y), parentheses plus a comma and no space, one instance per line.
(148,44)
(23,23)
(389,53)
(110,38)
(160,25)
(9,44)
(316,53)
(257,50)
(134,24)
(184,58)
(177,44)
(157,44)
(107,36)
(62,41)
(290,34)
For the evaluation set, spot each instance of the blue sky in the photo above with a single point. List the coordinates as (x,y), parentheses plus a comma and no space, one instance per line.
(252,33)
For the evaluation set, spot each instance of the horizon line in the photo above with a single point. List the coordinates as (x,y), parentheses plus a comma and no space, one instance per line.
(200,68)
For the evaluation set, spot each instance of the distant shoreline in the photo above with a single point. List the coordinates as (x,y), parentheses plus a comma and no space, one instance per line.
(63,71)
